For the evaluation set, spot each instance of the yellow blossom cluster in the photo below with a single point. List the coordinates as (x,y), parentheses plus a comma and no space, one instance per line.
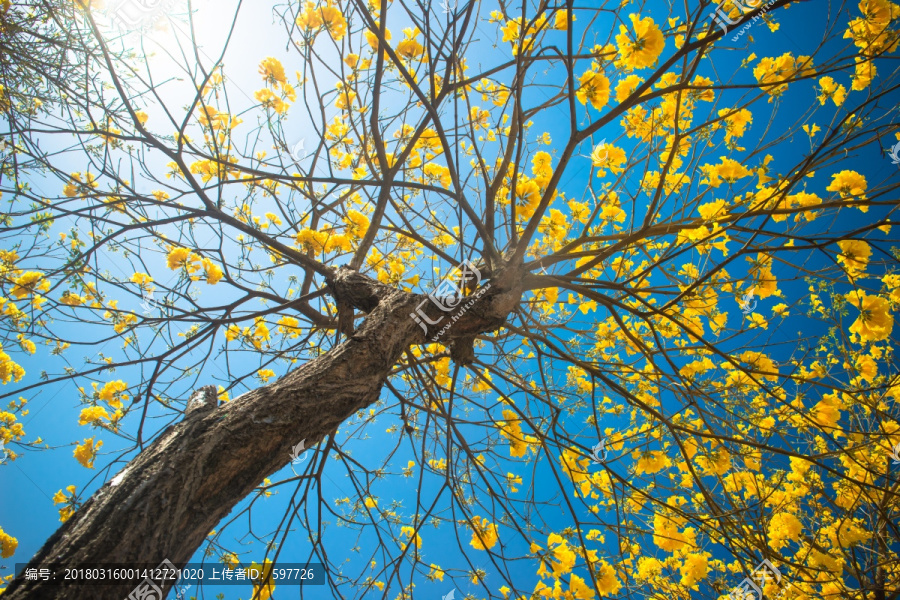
(68,500)
(272,72)
(8,544)
(327,16)
(640,46)
(86,452)
(854,257)
(9,369)
(772,71)
(10,429)
(511,429)
(484,533)
(849,185)
(872,33)
(193,263)
(522,38)
(256,335)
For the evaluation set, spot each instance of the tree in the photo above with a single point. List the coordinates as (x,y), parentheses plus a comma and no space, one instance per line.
(528,237)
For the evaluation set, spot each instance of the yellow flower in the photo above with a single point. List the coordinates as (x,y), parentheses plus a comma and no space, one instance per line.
(892,282)
(729,171)
(112,388)
(560,558)
(345,96)
(875,322)
(288,327)
(484,534)
(215,120)
(265,374)
(594,87)
(142,279)
(372,37)
(871,33)
(70,299)
(410,533)
(112,393)
(28,282)
(626,87)
(8,544)
(766,284)
(86,452)
(712,210)
(408,47)
(735,124)
(259,334)
(580,211)
(178,257)
(357,224)
(262,585)
(27,345)
(211,271)
(554,226)
(331,17)
(272,71)
(837,93)
(436,172)
(92,414)
(309,18)
(542,167)
(510,31)
(757,320)
(232,333)
(607,582)
(76,186)
(9,369)
(370,502)
(666,533)
(863,74)
(436,573)
(694,568)
(854,256)
(770,71)
(511,429)
(641,47)
(606,156)
(561,20)
(60,498)
(648,569)
(268,99)
(851,186)
(651,462)
(783,528)
(334,21)
(231,560)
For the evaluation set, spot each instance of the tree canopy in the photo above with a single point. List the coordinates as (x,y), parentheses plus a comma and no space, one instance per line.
(527,300)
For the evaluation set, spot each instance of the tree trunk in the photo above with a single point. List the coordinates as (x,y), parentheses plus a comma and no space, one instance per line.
(165,502)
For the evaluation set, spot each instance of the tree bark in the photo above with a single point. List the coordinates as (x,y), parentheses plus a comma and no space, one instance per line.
(165,502)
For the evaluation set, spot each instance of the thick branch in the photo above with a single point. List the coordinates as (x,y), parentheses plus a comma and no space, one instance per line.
(165,501)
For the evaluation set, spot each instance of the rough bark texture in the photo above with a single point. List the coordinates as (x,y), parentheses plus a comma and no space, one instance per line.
(165,501)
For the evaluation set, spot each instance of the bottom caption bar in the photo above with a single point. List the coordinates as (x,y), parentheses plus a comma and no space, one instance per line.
(166,573)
